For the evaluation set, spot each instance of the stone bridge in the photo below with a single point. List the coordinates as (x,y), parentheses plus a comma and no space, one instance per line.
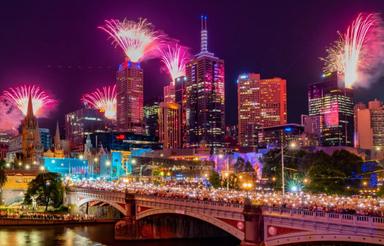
(252,225)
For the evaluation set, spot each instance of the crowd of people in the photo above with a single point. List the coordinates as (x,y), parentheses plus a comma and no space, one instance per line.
(314,202)
(45,216)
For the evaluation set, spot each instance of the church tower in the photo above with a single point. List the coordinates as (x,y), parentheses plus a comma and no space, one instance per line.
(58,149)
(31,143)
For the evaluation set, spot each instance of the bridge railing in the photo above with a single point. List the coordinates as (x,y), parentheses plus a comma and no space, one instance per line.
(336,218)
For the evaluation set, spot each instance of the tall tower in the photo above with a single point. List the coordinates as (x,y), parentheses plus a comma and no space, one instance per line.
(130,98)
(330,105)
(205,125)
(58,148)
(170,125)
(31,143)
(261,103)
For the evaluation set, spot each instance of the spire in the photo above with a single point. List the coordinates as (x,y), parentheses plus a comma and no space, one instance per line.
(57,139)
(204,35)
(30,107)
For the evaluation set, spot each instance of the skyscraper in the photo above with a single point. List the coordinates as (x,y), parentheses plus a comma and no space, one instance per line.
(170,125)
(205,123)
(45,138)
(330,104)
(369,125)
(261,103)
(31,143)
(181,99)
(151,118)
(82,122)
(130,99)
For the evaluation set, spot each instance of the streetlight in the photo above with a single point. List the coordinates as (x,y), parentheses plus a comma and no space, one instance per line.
(81,157)
(247,186)
(8,165)
(42,168)
(27,167)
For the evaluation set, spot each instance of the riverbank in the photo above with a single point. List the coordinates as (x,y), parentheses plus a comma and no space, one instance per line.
(34,222)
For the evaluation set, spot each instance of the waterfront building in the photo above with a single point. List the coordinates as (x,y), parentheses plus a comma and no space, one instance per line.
(170,125)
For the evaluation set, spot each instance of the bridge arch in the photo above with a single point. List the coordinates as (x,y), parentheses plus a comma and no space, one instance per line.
(209,219)
(310,236)
(117,206)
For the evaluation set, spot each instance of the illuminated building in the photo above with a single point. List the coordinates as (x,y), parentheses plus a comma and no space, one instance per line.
(181,99)
(271,137)
(45,138)
(330,104)
(205,125)
(130,99)
(169,93)
(81,123)
(125,141)
(151,118)
(170,125)
(369,125)
(30,137)
(261,103)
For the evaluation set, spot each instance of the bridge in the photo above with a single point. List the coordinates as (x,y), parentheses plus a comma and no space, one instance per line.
(252,225)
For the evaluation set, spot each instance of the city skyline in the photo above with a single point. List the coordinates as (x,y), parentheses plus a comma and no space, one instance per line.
(90,71)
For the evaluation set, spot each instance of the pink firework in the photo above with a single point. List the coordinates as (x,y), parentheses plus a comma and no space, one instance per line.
(10,117)
(138,40)
(357,51)
(174,57)
(42,102)
(104,100)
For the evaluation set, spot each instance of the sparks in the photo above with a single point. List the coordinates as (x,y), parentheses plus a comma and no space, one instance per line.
(348,55)
(42,102)
(174,58)
(104,100)
(138,40)
(10,117)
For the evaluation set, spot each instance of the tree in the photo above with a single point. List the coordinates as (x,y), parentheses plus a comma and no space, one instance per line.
(214,179)
(3,175)
(47,189)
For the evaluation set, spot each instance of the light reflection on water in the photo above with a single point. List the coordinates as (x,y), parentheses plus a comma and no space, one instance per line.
(101,234)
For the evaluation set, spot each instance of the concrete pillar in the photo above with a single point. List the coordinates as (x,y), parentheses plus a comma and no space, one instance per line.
(127,228)
(254,225)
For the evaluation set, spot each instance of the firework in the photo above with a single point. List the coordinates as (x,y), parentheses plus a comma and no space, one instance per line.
(42,102)
(10,117)
(104,100)
(174,58)
(350,54)
(138,39)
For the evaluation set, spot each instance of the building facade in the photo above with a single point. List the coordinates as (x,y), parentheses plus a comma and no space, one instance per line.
(46,139)
(130,98)
(151,118)
(261,103)
(330,104)
(170,125)
(82,122)
(369,125)
(205,123)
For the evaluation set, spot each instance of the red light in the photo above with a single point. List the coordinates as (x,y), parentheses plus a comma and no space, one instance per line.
(120,137)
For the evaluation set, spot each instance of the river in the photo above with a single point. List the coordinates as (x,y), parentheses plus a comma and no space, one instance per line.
(100,234)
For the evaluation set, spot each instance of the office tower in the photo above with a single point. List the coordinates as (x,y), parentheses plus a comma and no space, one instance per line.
(169,93)
(151,118)
(330,104)
(130,98)
(261,103)
(181,99)
(30,134)
(45,138)
(82,122)
(369,125)
(170,125)
(205,125)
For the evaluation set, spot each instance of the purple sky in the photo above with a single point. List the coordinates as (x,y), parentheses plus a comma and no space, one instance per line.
(58,45)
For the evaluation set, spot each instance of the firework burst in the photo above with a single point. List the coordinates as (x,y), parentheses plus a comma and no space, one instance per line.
(10,117)
(138,40)
(174,57)
(104,100)
(351,54)
(42,102)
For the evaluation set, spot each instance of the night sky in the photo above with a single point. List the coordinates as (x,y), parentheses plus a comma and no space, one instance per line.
(58,46)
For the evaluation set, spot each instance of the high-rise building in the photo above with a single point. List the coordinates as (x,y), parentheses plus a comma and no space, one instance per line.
(261,103)
(181,99)
(46,139)
(151,118)
(330,104)
(170,125)
(130,99)
(205,123)
(82,122)
(32,149)
(369,125)
(169,93)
